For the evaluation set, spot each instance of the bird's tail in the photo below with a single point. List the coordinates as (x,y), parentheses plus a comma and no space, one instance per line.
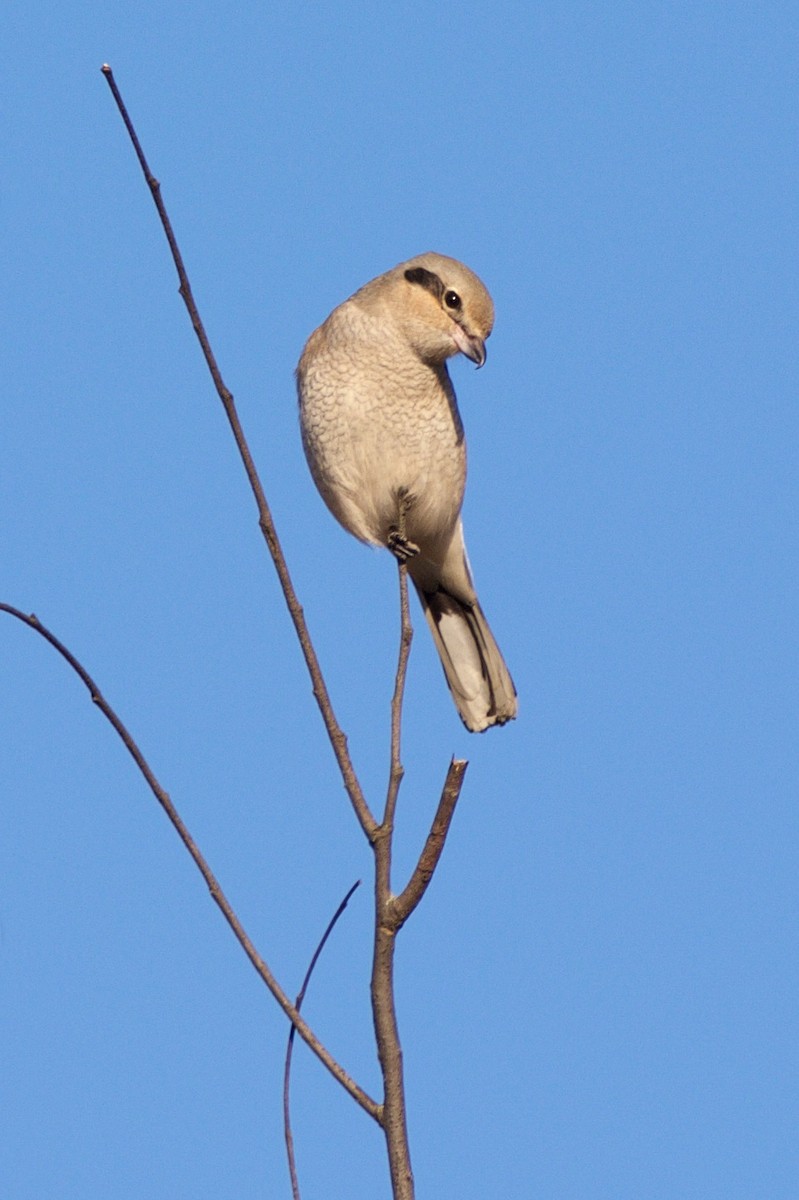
(480,682)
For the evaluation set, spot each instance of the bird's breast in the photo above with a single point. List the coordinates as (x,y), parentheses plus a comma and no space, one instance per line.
(377,424)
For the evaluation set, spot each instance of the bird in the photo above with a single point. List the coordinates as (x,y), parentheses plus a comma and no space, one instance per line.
(385,445)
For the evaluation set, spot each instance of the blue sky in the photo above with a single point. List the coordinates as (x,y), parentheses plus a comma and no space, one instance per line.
(598,996)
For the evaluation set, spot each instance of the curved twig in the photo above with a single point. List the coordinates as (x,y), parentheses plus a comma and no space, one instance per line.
(306,1033)
(335,733)
(295,1187)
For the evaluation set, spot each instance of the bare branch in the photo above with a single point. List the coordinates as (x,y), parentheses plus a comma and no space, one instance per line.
(335,733)
(290,1044)
(406,902)
(389,1050)
(292,1012)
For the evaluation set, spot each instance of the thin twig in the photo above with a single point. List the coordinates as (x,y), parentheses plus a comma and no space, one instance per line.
(397,770)
(406,902)
(295,1187)
(306,1033)
(335,733)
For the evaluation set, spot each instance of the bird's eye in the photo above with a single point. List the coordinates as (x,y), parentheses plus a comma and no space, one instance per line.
(452,300)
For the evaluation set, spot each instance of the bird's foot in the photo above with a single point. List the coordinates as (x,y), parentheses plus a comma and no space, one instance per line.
(400,546)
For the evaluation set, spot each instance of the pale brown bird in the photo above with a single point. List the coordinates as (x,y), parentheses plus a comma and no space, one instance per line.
(385,444)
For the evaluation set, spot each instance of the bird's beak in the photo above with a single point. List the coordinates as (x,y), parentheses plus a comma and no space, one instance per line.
(470,345)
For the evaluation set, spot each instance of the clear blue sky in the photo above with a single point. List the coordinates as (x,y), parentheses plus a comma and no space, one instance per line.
(598,997)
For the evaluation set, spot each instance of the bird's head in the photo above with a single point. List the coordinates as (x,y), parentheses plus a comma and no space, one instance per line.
(443,307)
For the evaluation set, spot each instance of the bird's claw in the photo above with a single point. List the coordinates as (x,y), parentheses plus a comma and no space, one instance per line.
(401,547)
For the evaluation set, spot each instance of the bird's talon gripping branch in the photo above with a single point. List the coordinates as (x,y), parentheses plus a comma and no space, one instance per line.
(402,549)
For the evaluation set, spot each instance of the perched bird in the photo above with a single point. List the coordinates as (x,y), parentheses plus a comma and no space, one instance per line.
(384,441)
